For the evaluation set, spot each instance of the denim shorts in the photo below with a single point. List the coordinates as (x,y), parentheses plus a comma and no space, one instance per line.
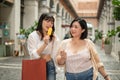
(86,75)
(51,71)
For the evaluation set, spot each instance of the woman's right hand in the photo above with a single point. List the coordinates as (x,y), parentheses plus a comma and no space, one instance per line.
(46,39)
(63,55)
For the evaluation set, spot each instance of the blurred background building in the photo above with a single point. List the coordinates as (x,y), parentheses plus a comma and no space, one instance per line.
(22,14)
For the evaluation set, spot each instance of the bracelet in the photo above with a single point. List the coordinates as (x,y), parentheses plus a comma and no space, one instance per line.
(105,76)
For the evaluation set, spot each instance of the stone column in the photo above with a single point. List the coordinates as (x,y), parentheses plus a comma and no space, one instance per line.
(44,8)
(105,27)
(107,13)
(67,23)
(15,26)
(53,12)
(63,29)
(58,26)
(111,15)
(30,13)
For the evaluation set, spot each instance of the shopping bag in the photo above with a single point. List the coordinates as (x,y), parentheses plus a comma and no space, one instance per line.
(34,69)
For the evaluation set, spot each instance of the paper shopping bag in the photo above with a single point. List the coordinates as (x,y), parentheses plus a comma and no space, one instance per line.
(34,69)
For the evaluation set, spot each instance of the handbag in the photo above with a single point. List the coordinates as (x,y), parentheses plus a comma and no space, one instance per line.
(34,69)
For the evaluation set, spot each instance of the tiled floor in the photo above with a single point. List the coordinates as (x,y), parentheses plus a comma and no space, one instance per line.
(10,67)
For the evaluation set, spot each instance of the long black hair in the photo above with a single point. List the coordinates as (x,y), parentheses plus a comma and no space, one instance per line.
(83,25)
(45,16)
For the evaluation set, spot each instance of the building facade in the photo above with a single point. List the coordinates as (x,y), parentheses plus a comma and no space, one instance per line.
(16,14)
(23,14)
(107,23)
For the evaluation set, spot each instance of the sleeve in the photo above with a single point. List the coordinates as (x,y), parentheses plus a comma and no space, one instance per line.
(94,53)
(32,49)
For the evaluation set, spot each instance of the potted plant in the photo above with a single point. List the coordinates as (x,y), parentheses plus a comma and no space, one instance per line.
(98,36)
(110,34)
(108,39)
(107,42)
(26,32)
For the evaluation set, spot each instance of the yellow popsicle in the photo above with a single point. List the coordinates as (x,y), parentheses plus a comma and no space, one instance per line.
(49,31)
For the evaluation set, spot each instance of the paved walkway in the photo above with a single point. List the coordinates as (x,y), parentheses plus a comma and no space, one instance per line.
(10,67)
(111,65)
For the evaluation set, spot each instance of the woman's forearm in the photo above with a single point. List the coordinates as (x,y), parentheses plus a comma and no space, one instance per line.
(104,73)
(40,50)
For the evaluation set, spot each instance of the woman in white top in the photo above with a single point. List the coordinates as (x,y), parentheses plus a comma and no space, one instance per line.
(41,45)
(74,53)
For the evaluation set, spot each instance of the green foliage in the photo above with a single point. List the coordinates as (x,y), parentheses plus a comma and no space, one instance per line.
(116,10)
(118,29)
(110,34)
(116,13)
(26,32)
(116,3)
(98,34)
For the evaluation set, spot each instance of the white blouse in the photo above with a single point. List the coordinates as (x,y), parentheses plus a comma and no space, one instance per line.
(34,42)
(79,62)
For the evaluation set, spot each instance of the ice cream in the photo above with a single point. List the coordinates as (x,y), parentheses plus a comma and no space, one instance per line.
(49,31)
